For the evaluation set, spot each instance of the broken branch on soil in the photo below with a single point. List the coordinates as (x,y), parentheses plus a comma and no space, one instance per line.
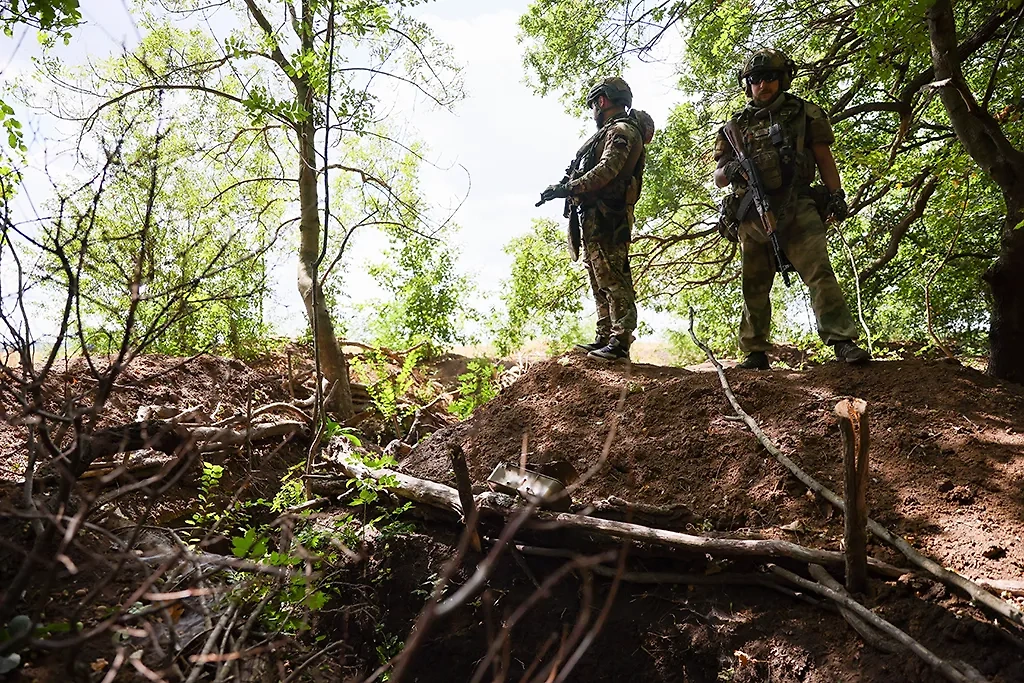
(945,668)
(447,498)
(977,593)
(465,488)
(869,634)
(853,425)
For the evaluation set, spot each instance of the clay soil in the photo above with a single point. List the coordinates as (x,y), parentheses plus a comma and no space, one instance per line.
(947,473)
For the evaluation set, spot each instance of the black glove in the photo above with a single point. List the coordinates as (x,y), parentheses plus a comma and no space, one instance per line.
(556,191)
(733,172)
(837,207)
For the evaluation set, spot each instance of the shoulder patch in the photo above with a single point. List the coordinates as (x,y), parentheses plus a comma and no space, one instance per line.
(619,139)
(628,130)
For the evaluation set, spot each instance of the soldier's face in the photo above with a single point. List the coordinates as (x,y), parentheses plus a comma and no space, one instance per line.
(597,107)
(763,90)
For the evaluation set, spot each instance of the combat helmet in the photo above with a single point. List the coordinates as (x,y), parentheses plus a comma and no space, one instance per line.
(615,89)
(768,60)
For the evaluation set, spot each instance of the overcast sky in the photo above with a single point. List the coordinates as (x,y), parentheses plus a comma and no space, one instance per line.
(511,142)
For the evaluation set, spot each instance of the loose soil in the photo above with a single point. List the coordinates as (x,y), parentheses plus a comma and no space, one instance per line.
(947,473)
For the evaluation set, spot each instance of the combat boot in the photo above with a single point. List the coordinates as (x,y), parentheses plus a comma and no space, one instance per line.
(615,350)
(755,360)
(850,352)
(599,343)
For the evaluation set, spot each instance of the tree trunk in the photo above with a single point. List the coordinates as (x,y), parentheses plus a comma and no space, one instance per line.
(1006,278)
(333,361)
(983,138)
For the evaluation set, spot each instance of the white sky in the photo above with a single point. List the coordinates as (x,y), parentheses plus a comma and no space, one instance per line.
(512,142)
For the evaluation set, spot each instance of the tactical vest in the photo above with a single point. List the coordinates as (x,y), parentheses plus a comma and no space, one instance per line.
(624,189)
(775,139)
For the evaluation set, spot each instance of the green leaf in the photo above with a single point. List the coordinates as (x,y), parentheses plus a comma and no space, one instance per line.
(9,662)
(249,545)
(19,626)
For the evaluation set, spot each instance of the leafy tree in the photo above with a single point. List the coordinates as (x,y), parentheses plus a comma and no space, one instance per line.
(203,278)
(427,296)
(45,15)
(544,295)
(427,299)
(305,85)
(53,17)
(997,149)
(870,66)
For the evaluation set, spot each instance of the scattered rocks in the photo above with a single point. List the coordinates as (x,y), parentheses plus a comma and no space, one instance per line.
(961,495)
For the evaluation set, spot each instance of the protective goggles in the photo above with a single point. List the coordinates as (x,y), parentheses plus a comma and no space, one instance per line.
(764,76)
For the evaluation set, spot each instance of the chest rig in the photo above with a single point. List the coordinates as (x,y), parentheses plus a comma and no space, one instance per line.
(774,138)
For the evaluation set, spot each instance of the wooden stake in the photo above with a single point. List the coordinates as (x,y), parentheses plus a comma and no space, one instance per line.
(853,424)
(465,488)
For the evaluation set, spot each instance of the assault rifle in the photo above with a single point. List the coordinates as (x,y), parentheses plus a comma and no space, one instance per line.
(758,197)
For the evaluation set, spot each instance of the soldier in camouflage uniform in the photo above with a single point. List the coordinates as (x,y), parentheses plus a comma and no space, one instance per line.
(788,139)
(601,185)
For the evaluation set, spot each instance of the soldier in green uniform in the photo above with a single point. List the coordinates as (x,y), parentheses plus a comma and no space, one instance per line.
(788,139)
(601,186)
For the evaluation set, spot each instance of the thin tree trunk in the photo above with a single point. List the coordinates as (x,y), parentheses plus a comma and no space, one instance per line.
(983,138)
(333,359)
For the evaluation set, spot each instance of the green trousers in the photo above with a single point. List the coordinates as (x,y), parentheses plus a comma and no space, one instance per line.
(802,237)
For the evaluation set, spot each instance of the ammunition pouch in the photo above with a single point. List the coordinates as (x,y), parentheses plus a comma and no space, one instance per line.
(574,237)
(728,220)
(765,155)
(819,195)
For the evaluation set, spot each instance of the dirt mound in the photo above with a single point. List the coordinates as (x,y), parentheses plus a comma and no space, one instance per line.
(946,451)
(947,472)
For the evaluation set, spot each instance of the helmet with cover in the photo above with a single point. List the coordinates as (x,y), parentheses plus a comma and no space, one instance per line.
(615,89)
(767,62)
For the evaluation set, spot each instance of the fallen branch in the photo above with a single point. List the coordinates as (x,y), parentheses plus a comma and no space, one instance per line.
(1002,586)
(447,498)
(870,635)
(940,665)
(613,507)
(996,605)
(411,488)
(216,439)
(716,546)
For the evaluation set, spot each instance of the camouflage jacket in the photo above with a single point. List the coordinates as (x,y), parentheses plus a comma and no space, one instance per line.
(609,162)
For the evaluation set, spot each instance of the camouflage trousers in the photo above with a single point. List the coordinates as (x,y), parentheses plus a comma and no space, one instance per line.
(802,238)
(606,256)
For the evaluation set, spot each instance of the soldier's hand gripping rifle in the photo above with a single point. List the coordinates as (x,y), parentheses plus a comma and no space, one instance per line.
(758,197)
(559,191)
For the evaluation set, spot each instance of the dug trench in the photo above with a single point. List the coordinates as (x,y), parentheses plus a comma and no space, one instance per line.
(947,474)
